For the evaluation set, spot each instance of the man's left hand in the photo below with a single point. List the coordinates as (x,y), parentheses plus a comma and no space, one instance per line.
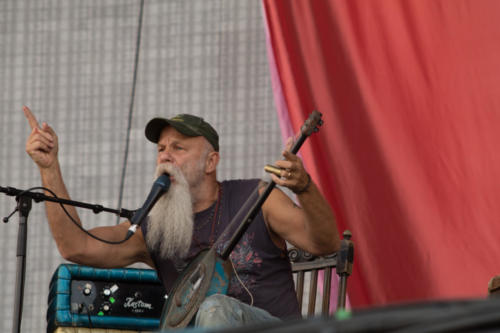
(293,174)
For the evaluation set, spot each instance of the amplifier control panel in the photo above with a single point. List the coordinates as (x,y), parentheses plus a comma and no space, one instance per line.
(119,299)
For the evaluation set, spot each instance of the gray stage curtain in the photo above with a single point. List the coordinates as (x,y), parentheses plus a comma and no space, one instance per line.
(72,62)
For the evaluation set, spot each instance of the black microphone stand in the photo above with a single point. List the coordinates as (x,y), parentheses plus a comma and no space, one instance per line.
(24,202)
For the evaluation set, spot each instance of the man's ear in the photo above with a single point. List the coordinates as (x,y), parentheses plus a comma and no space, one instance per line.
(212,161)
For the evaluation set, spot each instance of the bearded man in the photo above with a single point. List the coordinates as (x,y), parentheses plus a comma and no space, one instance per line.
(193,215)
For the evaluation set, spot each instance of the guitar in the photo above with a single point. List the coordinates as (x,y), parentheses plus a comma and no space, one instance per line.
(209,272)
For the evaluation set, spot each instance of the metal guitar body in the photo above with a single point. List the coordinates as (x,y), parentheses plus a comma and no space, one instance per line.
(206,275)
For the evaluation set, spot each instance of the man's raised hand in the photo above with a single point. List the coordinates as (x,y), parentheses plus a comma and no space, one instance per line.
(42,145)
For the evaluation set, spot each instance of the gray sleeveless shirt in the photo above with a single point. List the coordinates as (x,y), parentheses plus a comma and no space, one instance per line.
(262,267)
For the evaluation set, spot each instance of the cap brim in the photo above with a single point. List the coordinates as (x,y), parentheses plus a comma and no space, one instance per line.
(154,128)
(156,125)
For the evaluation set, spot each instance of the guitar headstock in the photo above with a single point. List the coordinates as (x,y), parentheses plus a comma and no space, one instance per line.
(312,124)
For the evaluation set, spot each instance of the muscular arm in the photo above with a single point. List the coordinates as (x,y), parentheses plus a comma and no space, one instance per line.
(311,226)
(73,244)
(76,246)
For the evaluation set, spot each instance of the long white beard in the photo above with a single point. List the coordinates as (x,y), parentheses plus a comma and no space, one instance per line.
(171,219)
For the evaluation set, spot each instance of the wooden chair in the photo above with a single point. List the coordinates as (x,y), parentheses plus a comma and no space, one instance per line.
(303,262)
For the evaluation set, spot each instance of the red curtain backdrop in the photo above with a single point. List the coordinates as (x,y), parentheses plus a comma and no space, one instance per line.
(408,155)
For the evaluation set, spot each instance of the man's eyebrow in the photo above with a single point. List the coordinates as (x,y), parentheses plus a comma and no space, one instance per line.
(172,142)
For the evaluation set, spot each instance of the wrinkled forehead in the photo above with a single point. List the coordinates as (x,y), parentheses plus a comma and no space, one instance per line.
(170,135)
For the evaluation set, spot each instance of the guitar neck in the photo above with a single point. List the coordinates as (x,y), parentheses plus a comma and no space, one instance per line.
(249,217)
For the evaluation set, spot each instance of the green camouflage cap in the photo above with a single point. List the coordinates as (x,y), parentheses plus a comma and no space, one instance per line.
(186,124)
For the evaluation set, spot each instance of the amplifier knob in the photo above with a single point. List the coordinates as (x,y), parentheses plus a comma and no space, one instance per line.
(87,289)
(106,307)
(106,292)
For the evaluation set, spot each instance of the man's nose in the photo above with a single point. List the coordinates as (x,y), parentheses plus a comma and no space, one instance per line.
(165,156)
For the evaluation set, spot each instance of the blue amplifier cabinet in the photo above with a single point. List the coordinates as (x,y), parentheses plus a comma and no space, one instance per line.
(128,299)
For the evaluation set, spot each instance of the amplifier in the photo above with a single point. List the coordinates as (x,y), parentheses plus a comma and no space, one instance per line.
(122,299)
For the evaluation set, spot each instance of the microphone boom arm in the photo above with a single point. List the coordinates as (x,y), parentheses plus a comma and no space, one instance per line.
(38,197)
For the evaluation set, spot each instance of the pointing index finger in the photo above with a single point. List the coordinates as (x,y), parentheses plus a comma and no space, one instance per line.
(31,118)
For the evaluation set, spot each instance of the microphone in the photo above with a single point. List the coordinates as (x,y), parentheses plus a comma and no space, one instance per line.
(160,186)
